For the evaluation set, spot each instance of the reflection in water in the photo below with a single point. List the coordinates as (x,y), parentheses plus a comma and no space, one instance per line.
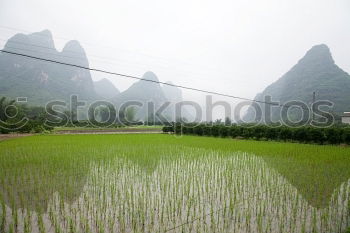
(31,185)
(28,180)
(212,191)
(315,181)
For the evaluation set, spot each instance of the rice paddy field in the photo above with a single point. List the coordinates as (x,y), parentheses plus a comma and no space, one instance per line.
(162,183)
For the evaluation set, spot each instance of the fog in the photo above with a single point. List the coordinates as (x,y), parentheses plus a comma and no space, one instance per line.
(235,47)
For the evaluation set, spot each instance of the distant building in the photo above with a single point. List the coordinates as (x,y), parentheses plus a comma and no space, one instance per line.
(345,118)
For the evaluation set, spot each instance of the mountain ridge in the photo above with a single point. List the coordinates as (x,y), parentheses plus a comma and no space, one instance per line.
(105,89)
(41,81)
(315,72)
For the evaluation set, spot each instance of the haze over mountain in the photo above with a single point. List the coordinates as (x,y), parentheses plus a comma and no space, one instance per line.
(173,94)
(43,81)
(151,91)
(143,92)
(105,89)
(315,72)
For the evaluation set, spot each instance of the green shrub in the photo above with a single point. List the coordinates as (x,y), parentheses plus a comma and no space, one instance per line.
(306,134)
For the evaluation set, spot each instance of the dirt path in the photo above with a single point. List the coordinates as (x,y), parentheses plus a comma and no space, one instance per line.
(9,136)
(111,131)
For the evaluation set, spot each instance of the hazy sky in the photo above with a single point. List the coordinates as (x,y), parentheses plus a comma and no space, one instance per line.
(236,47)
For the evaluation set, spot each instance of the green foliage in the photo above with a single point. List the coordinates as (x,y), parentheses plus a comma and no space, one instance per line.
(306,134)
(12,114)
(5,110)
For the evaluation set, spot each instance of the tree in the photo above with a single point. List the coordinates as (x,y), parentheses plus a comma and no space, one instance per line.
(247,132)
(5,110)
(333,135)
(271,133)
(228,121)
(218,122)
(235,131)
(103,113)
(223,131)
(285,133)
(300,134)
(207,130)
(215,130)
(72,117)
(130,114)
(198,130)
(347,136)
(317,135)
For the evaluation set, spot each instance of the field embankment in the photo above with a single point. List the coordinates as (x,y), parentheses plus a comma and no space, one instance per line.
(11,136)
(123,130)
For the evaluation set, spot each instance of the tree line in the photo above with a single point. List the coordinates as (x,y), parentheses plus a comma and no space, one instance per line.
(21,118)
(306,134)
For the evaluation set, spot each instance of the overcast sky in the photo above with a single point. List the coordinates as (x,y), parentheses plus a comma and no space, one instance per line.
(236,47)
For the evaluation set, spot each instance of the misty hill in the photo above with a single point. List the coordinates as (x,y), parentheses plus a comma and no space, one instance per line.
(105,89)
(143,92)
(43,81)
(316,71)
(173,94)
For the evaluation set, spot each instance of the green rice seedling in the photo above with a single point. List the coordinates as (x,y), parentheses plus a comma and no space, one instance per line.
(157,183)
(3,217)
(27,222)
(41,225)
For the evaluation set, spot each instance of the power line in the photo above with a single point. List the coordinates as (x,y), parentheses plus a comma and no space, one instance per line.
(104,60)
(57,52)
(59,55)
(138,78)
(164,62)
(110,61)
(9,41)
(17,30)
(42,52)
